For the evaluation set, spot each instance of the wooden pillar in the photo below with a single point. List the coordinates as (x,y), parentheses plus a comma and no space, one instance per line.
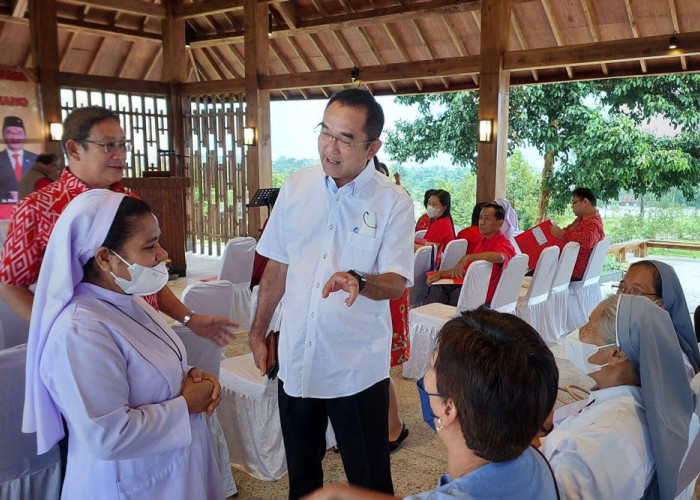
(175,72)
(493,99)
(257,63)
(44,45)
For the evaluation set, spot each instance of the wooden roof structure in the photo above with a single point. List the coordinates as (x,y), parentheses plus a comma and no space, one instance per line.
(399,46)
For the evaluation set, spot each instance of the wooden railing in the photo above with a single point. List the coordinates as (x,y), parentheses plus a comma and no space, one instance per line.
(641,247)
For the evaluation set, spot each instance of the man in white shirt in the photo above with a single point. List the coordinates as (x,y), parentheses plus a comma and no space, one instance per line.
(340,244)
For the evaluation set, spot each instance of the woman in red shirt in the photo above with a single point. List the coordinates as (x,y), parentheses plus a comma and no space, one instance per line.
(442,229)
(424,221)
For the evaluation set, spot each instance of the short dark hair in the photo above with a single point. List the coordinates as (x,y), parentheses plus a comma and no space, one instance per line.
(47,158)
(500,212)
(426,197)
(445,199)
(79,122)
(380,167)
(657,283)
(358,98)
(502,378)
(121,230)
(476,212)
(584,194)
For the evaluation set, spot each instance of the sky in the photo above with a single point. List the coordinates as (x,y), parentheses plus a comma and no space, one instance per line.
(293,122)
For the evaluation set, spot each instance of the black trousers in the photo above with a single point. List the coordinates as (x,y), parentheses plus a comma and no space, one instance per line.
(360,423)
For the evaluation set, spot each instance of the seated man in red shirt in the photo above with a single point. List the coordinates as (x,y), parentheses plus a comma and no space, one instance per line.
(493,247)
(586,229)
(471,233)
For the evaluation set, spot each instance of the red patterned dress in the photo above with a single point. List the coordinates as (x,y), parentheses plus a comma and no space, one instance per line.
(400,340)
(32,221)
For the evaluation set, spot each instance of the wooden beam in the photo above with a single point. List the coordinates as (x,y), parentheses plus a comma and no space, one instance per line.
(229,67)
(592,26)
(137,7)
(127,59)
(257,115)
(69,43)
(288,12)
(197,73)
(677,28)
(103,29)
(521,38)
(319,46)
(635,31)
(320,8)
(209,7)
(429,46)
(43,36)
(491,163)
(152,65)
(112,84)
(373,49)
(372,17)
(286,63)
(373,74)
(652,47)
(219,68)
(20,8)
(555,30)
(205,66)
(98,50)
(212,87)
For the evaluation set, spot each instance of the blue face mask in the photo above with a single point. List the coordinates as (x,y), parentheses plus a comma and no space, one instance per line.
(428,415)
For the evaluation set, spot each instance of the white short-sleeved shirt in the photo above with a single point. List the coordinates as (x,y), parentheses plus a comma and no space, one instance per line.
(605,450)
(329,350)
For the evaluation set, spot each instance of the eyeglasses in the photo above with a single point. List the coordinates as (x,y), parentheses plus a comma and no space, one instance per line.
(111,147)
(344,143)
(421,388)
(575,202)
(622,288)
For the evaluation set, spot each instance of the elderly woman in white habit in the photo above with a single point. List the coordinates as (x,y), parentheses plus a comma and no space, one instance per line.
(630,438)
(103,360)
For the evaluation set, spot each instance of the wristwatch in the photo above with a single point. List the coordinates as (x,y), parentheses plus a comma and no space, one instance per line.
(188,317)
(361,280)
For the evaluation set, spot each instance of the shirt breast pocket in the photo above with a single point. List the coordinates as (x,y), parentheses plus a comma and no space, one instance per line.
(360,253)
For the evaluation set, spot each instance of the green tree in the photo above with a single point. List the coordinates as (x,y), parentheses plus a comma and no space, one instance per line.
(591,132)
(522,186)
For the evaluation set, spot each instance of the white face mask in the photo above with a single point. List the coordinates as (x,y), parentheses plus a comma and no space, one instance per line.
(144,280)
(432,211)
(580,352)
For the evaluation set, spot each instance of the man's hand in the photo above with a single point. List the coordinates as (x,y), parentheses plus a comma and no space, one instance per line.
(432,278)
(259,350)
(342,281)
(197,376)
(556,231)
(214,328)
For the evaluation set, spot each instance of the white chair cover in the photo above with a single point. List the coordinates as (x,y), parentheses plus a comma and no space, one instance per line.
(584,295)
(532,302)
(249,414)
(454,250)
(23,473)
(515,245)
(14,329)
(505,298)
(690,466)
(237,267)
(425,322)
(421,264)
(213,298)
(421,233)
(558,301)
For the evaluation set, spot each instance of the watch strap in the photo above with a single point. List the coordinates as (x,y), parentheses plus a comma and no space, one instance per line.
(361,280)
(188,317)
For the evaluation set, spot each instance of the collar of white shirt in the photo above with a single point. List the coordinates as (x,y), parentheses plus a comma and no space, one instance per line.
(357,183)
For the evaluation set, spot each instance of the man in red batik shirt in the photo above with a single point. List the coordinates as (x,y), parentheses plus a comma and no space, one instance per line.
(95,144)
(586,229)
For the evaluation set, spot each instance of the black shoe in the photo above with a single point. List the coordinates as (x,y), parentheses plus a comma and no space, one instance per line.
(394,445)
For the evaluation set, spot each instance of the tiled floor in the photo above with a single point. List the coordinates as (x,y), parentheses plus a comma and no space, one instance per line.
(417,465)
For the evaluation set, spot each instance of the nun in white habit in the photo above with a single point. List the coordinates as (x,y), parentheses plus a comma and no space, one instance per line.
(103,360)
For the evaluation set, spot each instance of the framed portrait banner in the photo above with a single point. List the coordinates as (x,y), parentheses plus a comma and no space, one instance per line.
(22,138)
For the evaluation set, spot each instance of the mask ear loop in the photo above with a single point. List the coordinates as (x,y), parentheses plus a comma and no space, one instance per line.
(120,258)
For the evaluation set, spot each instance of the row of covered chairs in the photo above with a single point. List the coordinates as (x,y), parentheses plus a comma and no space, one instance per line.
(549,301)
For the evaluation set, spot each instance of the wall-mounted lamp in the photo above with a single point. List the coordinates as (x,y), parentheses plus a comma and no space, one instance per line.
(673,42)
(55,131)
(249,136)
(486,130)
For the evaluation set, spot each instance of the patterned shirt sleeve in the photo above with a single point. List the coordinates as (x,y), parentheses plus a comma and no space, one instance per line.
(20,261)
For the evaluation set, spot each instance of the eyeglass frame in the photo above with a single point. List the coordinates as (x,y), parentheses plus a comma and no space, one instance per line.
(420,383)
(347,143)
(125,146)
(621,288)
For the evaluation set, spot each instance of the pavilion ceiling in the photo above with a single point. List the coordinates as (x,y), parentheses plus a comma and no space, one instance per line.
(399,46)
